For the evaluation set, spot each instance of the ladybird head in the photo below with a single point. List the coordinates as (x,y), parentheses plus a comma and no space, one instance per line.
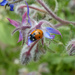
(32,37)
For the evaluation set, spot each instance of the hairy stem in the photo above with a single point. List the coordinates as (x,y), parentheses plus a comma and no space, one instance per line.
(54,15)
(12,2)
(33,45)
(60,24)
(41,10)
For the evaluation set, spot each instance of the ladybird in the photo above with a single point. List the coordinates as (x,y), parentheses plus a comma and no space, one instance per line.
(36,34)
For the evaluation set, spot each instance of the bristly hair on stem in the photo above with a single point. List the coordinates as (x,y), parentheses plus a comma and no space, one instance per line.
(53,15)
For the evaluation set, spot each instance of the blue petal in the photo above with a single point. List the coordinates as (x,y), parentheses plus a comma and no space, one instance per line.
(52,30)
(47,35)
(29,41)
(11,7)
(27,8)
(28,13)
(4,2)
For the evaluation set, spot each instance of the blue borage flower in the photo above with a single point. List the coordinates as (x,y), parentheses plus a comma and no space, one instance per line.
(6,3)
(46,30)
(31,50)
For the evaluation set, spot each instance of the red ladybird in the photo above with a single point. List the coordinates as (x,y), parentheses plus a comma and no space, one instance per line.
(36,34)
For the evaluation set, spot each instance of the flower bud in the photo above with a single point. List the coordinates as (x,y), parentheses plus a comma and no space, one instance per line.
(71,47)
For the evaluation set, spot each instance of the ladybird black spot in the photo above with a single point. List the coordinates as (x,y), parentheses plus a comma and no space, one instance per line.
(39,36)
(39,32)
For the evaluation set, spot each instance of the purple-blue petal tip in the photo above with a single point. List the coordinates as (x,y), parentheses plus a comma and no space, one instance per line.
(4,2)
(27,8)
(28,13)
(29,41)
(47,35)
(14,23)
(11,7)
(52,30)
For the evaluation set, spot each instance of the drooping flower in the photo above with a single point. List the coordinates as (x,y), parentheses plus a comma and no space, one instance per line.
(32,50)
(6,3)
(72,6)
(71,47)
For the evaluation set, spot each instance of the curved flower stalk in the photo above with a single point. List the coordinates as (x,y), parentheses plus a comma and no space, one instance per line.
(71,47)
(36,7)
(19,10)
(63,22)
(33,7)
(35,10)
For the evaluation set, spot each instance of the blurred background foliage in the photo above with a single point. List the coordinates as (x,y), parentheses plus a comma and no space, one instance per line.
(59,63)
